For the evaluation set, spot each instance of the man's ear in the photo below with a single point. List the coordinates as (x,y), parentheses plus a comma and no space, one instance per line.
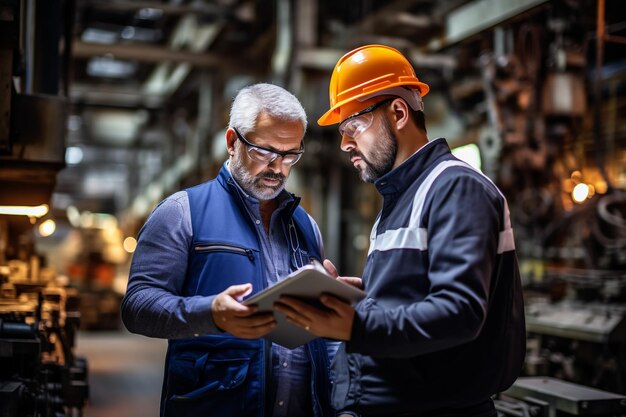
(231,138)
(401,113)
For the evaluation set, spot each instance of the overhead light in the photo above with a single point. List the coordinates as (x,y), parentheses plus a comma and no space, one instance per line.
(30,211)
(149,13)
(96,35)
(73,155)
(47,228)
(110,67)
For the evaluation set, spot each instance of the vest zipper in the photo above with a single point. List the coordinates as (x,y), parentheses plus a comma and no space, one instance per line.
(201,248)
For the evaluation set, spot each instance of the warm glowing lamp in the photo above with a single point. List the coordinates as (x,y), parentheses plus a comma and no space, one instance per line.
(580,192)
(130,244)
(47,228)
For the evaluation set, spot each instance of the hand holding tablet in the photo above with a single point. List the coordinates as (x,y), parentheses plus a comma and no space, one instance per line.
(307,283)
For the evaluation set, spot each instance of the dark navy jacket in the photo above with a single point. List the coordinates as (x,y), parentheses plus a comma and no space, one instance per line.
(442,326)
(218,374)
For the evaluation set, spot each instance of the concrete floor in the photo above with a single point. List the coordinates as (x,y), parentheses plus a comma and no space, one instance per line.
(125,373)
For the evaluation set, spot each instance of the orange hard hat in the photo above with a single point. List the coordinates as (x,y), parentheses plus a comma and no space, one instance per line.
(364,73)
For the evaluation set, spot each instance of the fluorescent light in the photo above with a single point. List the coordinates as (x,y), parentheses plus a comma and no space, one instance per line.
(110,67)
(30,211)
(102,36)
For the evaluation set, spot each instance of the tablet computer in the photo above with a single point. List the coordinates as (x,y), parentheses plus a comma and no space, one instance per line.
(307,283)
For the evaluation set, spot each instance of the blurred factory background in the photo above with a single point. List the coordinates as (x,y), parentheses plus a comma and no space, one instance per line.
(107,107)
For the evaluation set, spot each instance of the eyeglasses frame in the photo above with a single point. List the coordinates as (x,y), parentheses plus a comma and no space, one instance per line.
(366,110)
(273,151)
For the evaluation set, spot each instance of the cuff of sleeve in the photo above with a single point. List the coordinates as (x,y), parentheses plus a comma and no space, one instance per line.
(200,319)
(357,333)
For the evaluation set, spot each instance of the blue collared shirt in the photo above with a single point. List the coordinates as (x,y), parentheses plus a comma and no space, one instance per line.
(291,370)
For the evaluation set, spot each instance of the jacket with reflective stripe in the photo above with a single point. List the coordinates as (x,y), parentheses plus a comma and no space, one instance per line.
(443,323)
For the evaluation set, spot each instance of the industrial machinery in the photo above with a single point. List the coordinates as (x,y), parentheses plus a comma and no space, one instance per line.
(39,373)
(546,111)
(39,316)
(549,397)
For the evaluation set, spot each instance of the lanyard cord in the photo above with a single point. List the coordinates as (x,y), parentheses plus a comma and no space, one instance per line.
(295,248)
(293,234)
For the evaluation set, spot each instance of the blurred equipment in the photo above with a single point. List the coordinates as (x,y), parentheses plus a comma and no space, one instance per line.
(550,397)
(32,113)
(39,373)
(582,321)
(579,333)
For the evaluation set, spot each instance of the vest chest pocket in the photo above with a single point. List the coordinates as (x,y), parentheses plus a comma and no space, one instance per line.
(215,266)
(218,247)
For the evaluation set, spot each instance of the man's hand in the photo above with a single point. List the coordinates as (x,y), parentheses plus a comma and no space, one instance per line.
(334,323)
(332,270)
(237,319)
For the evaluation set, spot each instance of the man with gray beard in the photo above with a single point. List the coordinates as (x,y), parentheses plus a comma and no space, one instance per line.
(204,249)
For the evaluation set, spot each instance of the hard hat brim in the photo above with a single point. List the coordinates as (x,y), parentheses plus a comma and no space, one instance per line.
(333,115)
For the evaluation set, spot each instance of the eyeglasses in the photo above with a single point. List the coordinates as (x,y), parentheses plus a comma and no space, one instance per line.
(267,156)
(361,121)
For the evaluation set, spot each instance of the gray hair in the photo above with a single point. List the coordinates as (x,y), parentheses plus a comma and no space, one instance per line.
(260,98)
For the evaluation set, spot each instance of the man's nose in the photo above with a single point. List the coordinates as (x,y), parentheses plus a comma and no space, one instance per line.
(276,165)
(347,143)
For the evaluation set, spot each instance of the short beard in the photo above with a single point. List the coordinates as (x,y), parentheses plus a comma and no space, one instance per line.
(251,184)
(382,158)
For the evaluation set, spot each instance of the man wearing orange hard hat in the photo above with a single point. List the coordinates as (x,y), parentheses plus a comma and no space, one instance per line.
(442,327)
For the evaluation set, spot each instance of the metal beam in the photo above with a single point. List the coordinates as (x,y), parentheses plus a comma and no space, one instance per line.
(113,96)
(480,15)
(197,8)
(396,13)
(152,54)
(325,59)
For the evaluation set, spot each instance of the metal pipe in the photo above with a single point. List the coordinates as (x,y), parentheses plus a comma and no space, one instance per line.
(29,46)
(281,59)
(615,39)
(597,92)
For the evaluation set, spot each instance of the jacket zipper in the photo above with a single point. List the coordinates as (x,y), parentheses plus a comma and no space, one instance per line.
(201,248)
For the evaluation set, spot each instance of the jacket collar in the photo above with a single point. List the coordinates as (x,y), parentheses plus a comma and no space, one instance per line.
(398,179)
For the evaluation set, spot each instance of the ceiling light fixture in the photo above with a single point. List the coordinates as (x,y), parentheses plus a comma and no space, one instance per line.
(30,211)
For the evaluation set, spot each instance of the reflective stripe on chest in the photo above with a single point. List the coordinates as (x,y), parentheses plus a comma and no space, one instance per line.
(415,237)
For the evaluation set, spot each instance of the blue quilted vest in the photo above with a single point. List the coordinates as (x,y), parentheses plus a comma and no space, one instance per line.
(221,375)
